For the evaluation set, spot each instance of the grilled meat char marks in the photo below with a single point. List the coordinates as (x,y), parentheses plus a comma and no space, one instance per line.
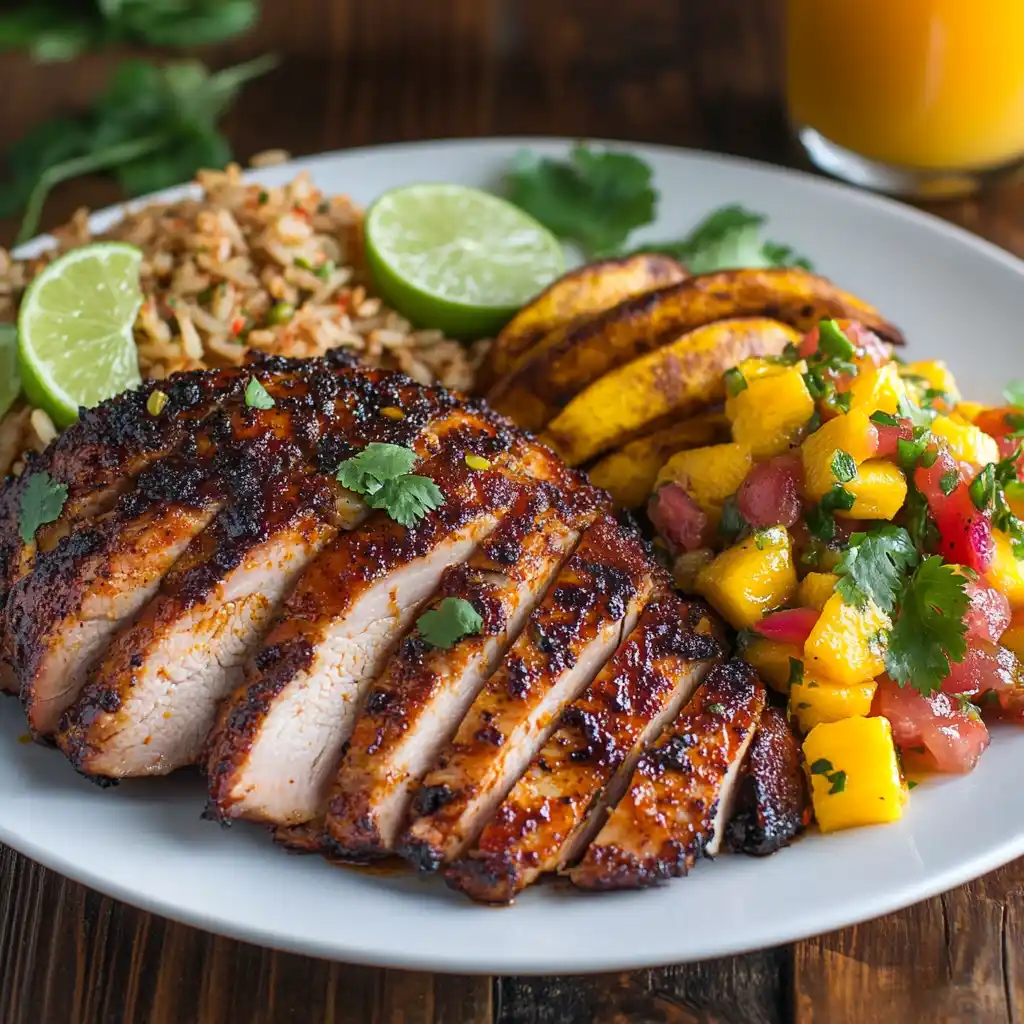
(152,700)
(561,801)
(594,600)
(773,805)
(683,789)
(278,741)
(415,707)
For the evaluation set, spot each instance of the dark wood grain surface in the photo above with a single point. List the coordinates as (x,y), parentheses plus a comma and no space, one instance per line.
(357,72)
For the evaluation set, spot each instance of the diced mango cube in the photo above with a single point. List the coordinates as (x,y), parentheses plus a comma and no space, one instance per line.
(709,474)
(936,373)
(877,388)
(855,774)
(853,433)
(966,442)
(815,589)
(1006,573)
(769,414)
(845,644)
(773,661)
(879,490)
(814,700)
(969,411)
(750,578)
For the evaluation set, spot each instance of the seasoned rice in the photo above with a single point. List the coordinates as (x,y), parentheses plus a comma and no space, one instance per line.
(279,269)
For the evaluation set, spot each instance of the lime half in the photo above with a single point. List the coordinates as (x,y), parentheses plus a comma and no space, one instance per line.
(457,259)
(75,344)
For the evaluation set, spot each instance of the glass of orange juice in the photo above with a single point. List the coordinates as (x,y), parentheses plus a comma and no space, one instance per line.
(912,97)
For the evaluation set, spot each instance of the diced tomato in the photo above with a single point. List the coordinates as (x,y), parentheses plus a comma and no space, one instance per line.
(889,436)
(952,736)
(965,534)
(770,495)
(678,518)
(985,666)
(989,613)
(789,626)
(809,345)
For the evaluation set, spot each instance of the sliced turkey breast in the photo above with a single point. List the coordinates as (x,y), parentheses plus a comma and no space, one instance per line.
(773,805)
(416,705)
(595,599)
(278,741)
(682,792)
(562,800)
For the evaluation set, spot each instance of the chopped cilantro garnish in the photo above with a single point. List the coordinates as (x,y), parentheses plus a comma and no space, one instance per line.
(911,784)
(380,472)
(42,502)
(833,342)
(910,452)
(912,411)
(948,482)
(735,382)
(731,523)
(407,499)
(929,631)
(875,566)
(838,499)
(822,766)
(453,619)
(844,469)
(796,671)
(884,419)
(257,396)
(838,783)
(716,709)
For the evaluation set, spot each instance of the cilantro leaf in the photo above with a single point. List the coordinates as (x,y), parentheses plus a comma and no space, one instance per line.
(407,499)
(41,502)
(844,469)
(453,619)
(595,198)
(875,565)
(1014,393)
(257,396)
(929,630)
(374,466)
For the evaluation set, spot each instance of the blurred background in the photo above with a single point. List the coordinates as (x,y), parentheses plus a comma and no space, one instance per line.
(358,72)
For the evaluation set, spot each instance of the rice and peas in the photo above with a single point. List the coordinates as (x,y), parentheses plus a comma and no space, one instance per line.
(241,267)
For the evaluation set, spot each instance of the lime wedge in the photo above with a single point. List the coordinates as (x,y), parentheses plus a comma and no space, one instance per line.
(457,259)
(10,378)
(75,344)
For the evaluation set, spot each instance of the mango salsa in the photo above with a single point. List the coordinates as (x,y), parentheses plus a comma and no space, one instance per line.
(773,661)
(879,490)
(844,645)
(855,775)
(815,589)
(709,475)
(750,578)
(966,442)
(936,373)
(852,433)
(770,412)
(813,700)
(877,388)
(1006,573)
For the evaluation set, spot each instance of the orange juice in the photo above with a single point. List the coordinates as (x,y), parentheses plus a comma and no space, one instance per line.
(927,84)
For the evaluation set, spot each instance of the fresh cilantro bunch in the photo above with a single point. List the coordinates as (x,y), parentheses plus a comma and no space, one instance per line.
(42,501)
(152,127)
(61,29)
(381,473)
(598,197)
(445,625)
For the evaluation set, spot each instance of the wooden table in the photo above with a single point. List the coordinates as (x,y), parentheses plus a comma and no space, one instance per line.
(696,74)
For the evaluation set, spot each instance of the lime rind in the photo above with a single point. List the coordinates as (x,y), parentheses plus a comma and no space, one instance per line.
(456,258)
(75,329)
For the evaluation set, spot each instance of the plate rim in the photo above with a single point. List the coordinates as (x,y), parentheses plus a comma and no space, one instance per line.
(617,958)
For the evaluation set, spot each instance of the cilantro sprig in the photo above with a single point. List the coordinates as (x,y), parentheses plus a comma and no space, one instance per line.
(598,197)
(874,567)
(929,633)
(42,502)
(452,620)
(257,396)
(382,474)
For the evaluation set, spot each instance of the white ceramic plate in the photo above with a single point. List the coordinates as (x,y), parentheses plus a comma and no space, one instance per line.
(957,298)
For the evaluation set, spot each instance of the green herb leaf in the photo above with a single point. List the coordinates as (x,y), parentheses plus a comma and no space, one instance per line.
(735,382)
(884,419)
(844,469)
(42,501)
(833,342)
(1014,393)
(838,783)
(445,625)
(367,472)
(912,411)
(595,198)
(875,565)
(407,499)
(796,671)
(948,481)
(731,523)
(715,709)
(822,766)
(838,498)
(257,396)
(929,630)
(910,452)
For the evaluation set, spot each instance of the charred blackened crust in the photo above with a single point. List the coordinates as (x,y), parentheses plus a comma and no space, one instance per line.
(668,816)
(772,804)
